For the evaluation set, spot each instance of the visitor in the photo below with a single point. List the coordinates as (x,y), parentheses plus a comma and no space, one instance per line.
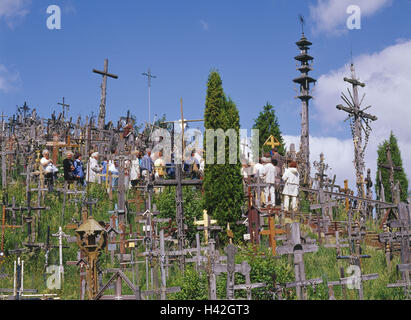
(291,179)
(49,168)
(68,167)
(79,169)
(269,175)
(93,169)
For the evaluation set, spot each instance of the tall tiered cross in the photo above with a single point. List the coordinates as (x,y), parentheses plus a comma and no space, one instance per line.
(357,117)
(105,74)
(149,76)
(304,80)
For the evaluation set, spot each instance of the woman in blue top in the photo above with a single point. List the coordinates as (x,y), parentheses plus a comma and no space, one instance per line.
(79,169)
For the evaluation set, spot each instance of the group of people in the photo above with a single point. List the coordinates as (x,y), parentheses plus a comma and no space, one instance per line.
(272,170)
(73,169)
(140,167)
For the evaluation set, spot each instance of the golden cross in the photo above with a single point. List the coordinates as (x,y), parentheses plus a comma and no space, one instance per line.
(272,142)
(206,222)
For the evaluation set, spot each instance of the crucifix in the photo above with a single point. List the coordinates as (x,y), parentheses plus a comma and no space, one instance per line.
(105,74)
(296,248)
(149,76)
(60,234)
(392,169)
(206,225)
(248,286)
(272,232)
(65,107)
(357,117)
(326,212)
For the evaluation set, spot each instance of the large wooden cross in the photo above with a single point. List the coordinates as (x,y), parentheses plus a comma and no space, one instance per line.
(326,213)
(105,74)
(272,232)
(392,169)
(358,117)
(296,248)
(64,106)
(56,144)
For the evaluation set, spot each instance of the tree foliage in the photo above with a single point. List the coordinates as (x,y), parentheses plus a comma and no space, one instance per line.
(223,189)
(267,123)
(385,173)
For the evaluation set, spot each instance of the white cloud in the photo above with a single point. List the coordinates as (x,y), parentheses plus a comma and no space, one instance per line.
(330,16)
(388,85)
(204,24)
(9,80)
(339,155)
(13,10)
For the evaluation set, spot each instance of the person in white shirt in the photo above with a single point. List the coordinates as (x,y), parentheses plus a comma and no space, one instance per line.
(291,179)
(159,166)
(93,169)
(49,168)
(134,169)
(269,175)
(258,167)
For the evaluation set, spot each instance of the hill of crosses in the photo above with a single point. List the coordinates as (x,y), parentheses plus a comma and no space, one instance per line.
(101,202)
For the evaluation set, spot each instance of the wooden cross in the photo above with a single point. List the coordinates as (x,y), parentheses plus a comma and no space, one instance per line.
(326,212)
(254,225)
(3,154)
(357,117)
(64,106)
(245,270)
(206,225)
(392,169)
(105,74)
(117,278)
(354,280)
(18,287)
(296,248)
(4,226)
(272,232)
(57,145)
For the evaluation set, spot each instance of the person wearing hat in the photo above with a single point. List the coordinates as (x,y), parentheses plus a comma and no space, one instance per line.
(93,168)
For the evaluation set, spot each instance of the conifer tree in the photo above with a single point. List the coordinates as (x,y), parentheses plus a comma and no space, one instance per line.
(223,189)
(385,173)
(267,123)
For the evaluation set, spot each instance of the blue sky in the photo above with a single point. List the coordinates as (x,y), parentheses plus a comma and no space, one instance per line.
(251,43)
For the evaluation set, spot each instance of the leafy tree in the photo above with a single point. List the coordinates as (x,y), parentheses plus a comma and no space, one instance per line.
(223,189)
(385,174)
(267,123)
(166,204)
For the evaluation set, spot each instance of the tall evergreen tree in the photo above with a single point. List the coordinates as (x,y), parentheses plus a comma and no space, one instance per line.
(385,173)
(267,123)
(223,189)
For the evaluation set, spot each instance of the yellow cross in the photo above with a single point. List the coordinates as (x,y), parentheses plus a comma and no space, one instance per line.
(206,222)
(272,142)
